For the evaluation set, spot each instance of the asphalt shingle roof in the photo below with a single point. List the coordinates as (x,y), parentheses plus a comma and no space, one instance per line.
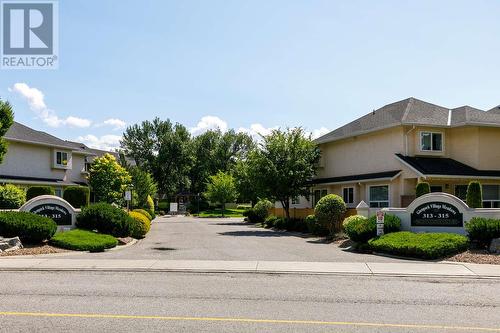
(412,111)
(353,178)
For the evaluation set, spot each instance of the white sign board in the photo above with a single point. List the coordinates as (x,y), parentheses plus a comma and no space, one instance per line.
(128,195)
(173,207)
(380,223)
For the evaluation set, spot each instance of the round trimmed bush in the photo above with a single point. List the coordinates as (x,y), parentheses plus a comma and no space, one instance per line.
(141,225)
(474,195)
(360,229)
(422,188)
(261,209)
(29,227)
(392,223)
(329,211)
(106,219)
(143,212)
(36,191)
(11,197)
(77,196)
(83,240)
(483,230)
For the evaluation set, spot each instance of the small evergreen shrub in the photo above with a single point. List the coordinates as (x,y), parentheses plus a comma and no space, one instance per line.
(261,209)
(270,221)
(329,210)
(36,191)
(360,229)
(314,227)
(482,230)
(11,197)
(425,245)
(77,196)
(106,219)
(141,225)
(29,227)
(83,240)
(422,188)
(251,216)
(150,208)
(143,212)
(474,195)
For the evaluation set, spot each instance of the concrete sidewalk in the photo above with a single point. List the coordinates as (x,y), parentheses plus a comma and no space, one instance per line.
(341,268)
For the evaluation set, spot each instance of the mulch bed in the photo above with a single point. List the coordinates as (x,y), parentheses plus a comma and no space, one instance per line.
(476,257)
(33,250)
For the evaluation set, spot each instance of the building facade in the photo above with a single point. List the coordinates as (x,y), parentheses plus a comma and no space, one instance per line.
(380,157)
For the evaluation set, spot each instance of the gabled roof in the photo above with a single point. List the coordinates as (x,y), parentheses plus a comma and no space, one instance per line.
(412,111)
(439,166)
(20,132)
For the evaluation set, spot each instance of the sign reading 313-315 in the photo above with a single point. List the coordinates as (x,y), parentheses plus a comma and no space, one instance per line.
(437,214)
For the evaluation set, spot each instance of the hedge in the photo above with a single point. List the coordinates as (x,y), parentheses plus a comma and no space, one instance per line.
(482,230)
(424,245)
(314,227)
(143,212)
(361,229)
(141,225)
(11,197)
(77,196)
(35,191)
(30,228)
(106,219)
(83,240)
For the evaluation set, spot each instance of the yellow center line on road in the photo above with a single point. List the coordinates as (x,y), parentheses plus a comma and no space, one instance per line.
(249,320)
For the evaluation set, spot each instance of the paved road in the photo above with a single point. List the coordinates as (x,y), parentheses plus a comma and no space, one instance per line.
(180,302)
(179,238)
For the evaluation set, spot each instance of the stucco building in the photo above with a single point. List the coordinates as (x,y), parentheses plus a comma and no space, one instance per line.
(380,157)
(38,158)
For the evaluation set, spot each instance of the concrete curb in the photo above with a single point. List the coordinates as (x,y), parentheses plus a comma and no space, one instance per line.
(433,270)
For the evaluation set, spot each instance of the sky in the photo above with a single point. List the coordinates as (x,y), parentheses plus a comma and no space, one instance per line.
(254,65)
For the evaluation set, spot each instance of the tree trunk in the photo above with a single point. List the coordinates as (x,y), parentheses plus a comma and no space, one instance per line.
(286,207)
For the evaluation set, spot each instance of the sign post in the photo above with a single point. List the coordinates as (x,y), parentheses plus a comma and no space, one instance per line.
(128,198)
(380,223)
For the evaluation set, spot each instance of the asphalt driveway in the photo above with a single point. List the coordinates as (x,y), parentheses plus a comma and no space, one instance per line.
(188,238)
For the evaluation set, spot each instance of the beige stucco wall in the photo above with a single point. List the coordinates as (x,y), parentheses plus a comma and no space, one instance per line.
(75,173)
(489,150)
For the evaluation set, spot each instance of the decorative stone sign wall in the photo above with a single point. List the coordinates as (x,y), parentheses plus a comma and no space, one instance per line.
(434,212)
(54,207)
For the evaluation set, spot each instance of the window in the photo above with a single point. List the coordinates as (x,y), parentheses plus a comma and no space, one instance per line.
(61,158)
(431,141)
(295,201)
(348,195)
(318,194)
(461,191)
(491,196)
(436,188)
(379,196)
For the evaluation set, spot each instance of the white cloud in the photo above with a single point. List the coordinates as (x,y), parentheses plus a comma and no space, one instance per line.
(36,101)
(256,131)
(106,142)
(319,132)
(209,123)
(115,123)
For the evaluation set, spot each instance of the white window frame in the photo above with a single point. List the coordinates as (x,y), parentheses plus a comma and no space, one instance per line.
(378,201)
(431,133)
(68,159)
(349,204)
(295,201)
(490,201)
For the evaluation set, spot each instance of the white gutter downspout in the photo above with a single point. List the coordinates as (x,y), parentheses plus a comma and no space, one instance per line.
(406,139)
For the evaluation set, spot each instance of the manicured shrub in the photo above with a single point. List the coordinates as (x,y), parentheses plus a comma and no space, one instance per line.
(105,219)
(83,240)
(425,245)
(329,210)
(77,196)
(482,230)
(143,212)
(141,225)
(314,227)
(251,216)
(11,197)
(474,195)
(422,188)
(30,228)
(298,225)
(261,209)
(360,229)
(150,207)
(36,191)
(270,221)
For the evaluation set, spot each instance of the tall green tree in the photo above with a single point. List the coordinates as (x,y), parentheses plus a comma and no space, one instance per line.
(164,149)
(246,186)
(108,179)
(284,164)
(221,188)
(6,120)
(144,186)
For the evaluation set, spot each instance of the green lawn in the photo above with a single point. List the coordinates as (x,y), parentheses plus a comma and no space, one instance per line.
(83,240)
(218,213)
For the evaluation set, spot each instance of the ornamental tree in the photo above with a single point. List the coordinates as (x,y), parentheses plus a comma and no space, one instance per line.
(474,195)
(221,188)
(108,179)
(6,120)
